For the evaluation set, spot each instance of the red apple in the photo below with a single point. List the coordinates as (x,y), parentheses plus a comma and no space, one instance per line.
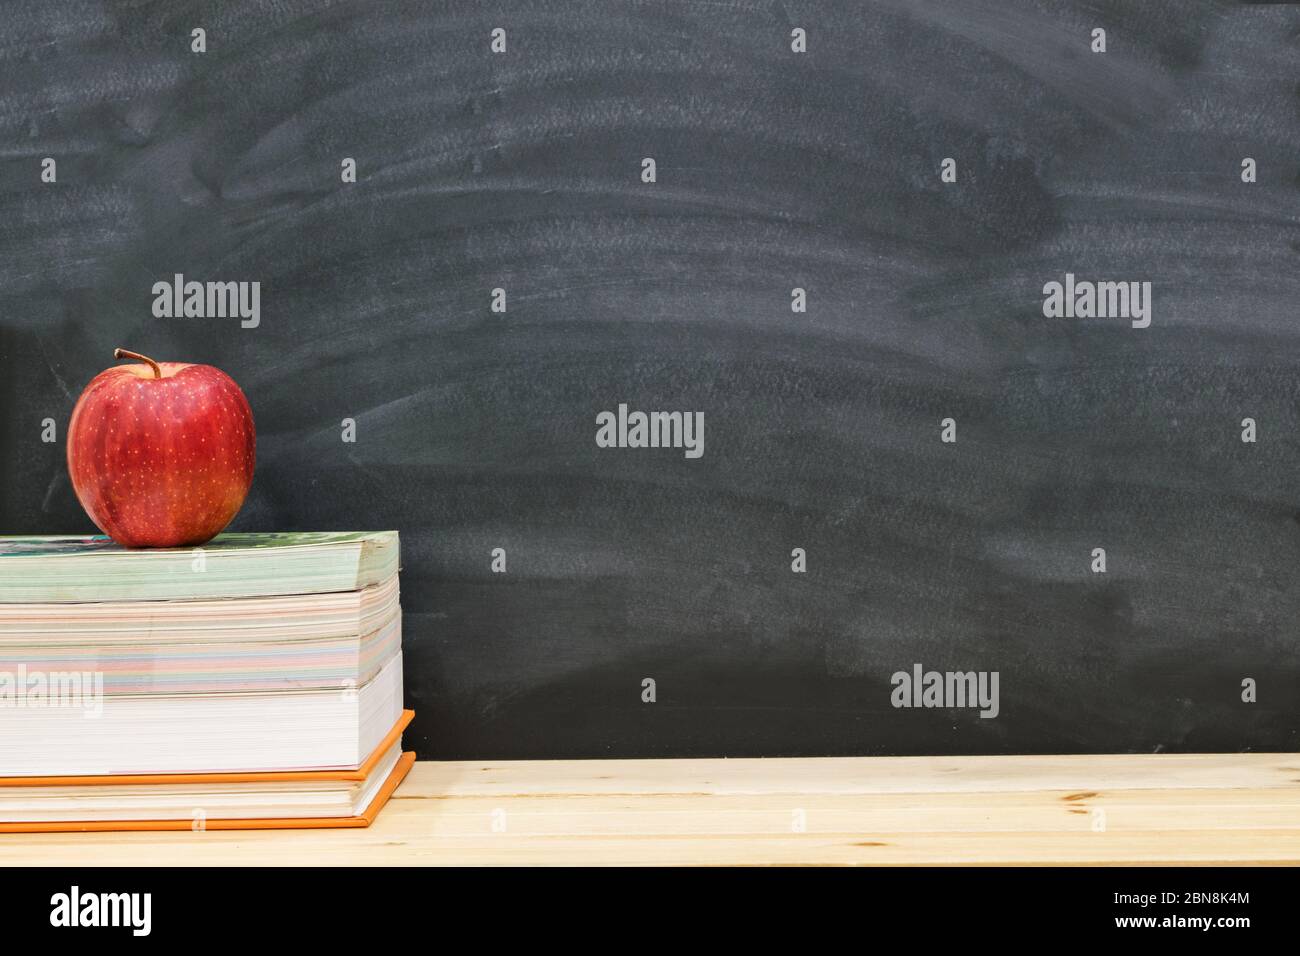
(161,453)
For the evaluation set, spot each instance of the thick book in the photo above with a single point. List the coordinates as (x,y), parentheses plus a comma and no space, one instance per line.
(59,569)
(208,801)
(290,642)
(80,731)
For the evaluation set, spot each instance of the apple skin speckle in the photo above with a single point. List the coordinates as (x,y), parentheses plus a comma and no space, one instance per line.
(161,462)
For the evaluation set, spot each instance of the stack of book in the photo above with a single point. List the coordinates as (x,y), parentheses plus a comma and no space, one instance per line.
(253,682)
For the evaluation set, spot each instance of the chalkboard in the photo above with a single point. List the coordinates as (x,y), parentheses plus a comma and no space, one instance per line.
(918,455)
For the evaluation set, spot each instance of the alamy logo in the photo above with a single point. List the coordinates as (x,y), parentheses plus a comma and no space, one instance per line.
(947,689)
(1098,300)
(40,689)
(102,909)
(683,430)
(208,300)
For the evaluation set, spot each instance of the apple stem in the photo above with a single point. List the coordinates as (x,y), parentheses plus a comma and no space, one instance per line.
(123,353)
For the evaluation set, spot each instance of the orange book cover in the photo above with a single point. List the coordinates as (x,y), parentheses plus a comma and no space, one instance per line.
(364,819)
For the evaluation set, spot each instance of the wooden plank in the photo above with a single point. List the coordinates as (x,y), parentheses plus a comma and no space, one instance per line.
(1152,809)
(861,774)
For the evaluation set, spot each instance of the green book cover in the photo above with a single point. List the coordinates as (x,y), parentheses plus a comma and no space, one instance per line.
(73,568)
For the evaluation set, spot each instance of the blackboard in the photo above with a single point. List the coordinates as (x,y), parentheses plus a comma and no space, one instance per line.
(949,458)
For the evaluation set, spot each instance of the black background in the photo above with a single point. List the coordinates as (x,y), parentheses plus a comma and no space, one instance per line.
(1015,903)
(775,170)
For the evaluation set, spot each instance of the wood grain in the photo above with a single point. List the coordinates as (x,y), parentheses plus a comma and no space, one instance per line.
(1163,809)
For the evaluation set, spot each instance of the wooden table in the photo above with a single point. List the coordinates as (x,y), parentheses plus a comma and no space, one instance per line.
(1146,809)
